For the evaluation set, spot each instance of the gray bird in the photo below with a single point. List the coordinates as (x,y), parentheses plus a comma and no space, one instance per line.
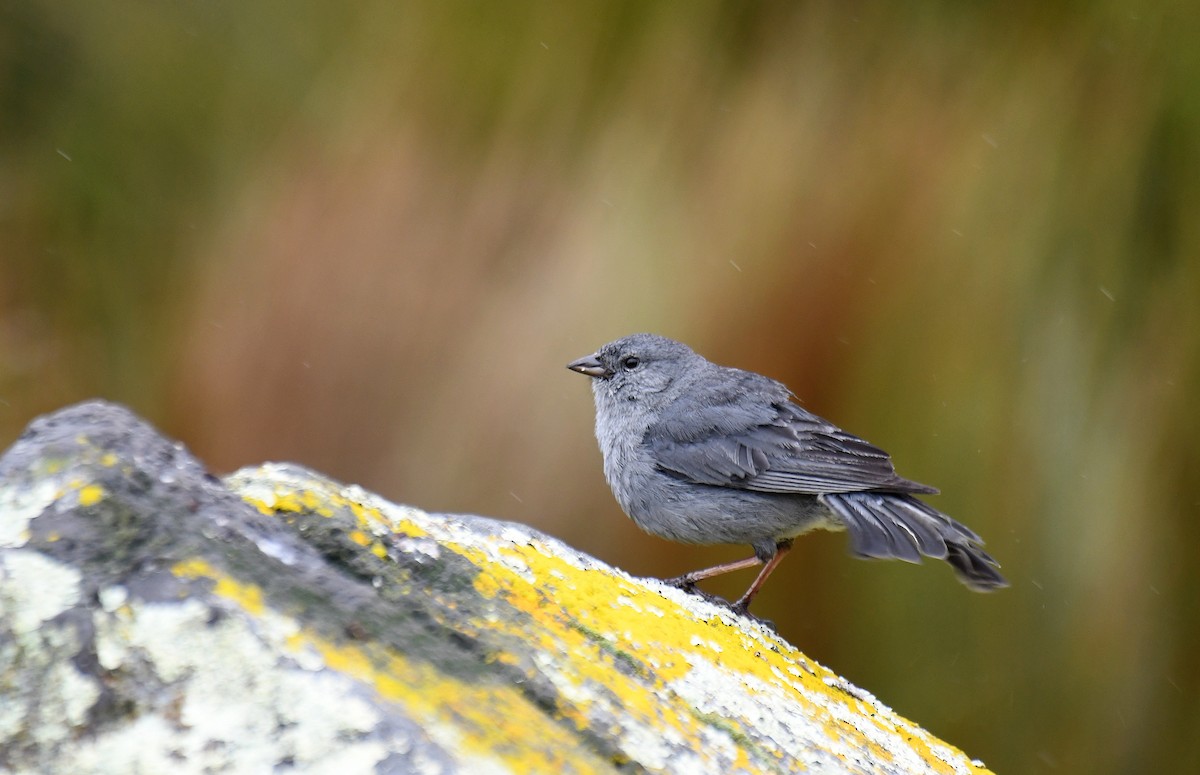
(706,454)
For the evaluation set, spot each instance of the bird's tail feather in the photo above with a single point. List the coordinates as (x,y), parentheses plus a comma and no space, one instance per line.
(898,526)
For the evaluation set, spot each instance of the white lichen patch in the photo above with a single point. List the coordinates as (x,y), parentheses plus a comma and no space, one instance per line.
(124,749)
(654,610)
(113,597)
(75,693)
(627,602)
(19,506)
(35,589)
(646,747)
(234,703)
(53,698)
(419,547)
(45,697)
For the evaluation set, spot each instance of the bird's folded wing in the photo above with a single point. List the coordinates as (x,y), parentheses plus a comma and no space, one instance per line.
(773,447)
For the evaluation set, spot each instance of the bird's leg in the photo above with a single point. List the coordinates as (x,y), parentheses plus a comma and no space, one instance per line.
(781,549)
(687,581)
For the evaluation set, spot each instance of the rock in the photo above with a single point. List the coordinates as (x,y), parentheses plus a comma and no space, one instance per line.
(154,618)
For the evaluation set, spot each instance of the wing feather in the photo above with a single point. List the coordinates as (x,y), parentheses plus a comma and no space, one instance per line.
(772,446)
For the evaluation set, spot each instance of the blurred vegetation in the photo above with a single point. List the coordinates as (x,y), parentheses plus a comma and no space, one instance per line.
(368,237)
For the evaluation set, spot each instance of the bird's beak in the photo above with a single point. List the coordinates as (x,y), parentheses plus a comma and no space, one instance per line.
(589,365)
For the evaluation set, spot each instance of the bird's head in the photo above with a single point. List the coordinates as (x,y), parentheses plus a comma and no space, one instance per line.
(637,370)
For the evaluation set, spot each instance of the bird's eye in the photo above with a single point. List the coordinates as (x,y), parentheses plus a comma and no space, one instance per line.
(632,362)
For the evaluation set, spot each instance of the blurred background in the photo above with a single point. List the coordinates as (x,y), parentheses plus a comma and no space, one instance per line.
(368,237)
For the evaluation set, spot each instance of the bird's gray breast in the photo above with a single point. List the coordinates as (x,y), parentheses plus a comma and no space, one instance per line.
(626,458)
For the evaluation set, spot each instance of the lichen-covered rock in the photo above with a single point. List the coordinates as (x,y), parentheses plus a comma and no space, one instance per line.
(156,619)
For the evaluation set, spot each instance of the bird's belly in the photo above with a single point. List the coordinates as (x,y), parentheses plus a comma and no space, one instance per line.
(703,514)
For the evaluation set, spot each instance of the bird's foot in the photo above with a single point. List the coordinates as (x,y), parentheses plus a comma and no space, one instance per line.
(685,582)
(688,584)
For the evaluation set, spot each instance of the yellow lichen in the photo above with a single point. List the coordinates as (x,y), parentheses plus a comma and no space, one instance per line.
(90,495)
(248,596)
